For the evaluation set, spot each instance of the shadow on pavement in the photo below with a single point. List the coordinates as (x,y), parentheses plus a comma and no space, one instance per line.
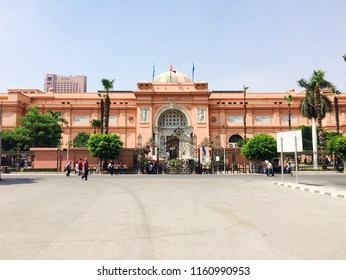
(17,181)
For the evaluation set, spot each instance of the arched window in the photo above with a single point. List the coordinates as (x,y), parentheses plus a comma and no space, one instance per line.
(172,118)
(235,138)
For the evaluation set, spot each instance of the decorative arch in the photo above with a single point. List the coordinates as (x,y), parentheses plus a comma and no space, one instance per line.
(172,108)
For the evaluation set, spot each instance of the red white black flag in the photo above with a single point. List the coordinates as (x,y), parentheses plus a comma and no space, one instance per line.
(171,69)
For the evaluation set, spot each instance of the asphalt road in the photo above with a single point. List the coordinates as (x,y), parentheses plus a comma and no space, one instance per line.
(320,179)
(168,217)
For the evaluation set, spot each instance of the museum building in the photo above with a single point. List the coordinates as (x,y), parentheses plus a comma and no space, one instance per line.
(173,116)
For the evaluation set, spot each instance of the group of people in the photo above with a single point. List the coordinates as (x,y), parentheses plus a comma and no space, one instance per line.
(269,170)
(81,168)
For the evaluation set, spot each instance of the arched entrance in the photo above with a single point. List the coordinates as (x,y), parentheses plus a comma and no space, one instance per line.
(175,135)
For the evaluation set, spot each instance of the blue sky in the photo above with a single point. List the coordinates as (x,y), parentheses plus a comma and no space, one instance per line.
(267,45)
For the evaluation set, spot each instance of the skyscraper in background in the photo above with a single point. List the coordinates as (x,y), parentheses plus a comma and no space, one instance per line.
(65,84)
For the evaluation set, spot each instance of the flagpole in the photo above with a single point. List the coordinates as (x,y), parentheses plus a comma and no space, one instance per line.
(170,73)
(153,71)
(193,71)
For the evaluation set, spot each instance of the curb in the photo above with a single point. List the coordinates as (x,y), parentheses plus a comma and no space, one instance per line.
(314,189)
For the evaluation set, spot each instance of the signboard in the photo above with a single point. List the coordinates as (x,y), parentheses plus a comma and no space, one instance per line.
(291,141)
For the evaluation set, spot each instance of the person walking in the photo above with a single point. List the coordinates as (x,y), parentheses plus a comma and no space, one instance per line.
(85,169)
(68,168)
(111,167)
(76,167)
(80,166)
(288,168)
(270,170)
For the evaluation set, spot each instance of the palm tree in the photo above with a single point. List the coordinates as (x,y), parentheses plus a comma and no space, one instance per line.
(344,56)
(58,116)
(335,92)
(315,105)
(102,112)
(336,108)
(289,99)
(95,124)
(245,88)
(107,85)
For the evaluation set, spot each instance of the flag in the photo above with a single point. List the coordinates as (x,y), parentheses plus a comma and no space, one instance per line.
(153,70)
(204,150)
(171,69)
(193,71)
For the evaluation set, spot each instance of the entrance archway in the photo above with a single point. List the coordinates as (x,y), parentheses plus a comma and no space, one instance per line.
(174,134)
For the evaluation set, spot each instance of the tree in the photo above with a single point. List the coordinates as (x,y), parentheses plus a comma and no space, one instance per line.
(330,138)
(245,88)
(105,146)
(307,136)
(37,130)
(338,145)
(107,85)
(81,140)
(96,124)
(315,105)
(289,99)
(58,116)
(336,108)
(9,141)
(260,148)
(344,56)
(102,112)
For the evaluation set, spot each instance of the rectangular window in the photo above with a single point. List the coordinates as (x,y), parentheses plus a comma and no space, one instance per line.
(112,119)
(263,119)
(235,119)
(294,119)
(81,119)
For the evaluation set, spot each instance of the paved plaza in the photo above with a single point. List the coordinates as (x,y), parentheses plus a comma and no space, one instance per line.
(51,216)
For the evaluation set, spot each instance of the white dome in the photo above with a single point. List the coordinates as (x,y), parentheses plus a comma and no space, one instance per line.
(171,77)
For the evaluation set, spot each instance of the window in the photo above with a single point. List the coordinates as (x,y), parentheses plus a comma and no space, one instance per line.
(235,138)
(262,119)
(172,119)
(113,119)
(235,118)
(81,119)
(294,119)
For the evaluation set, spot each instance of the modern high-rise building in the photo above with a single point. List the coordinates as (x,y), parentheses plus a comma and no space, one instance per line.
(65,84)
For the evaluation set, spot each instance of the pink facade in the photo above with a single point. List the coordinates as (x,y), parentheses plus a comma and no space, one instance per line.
(171,105)
(55,158)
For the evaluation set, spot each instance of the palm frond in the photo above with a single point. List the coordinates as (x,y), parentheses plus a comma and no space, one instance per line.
(107,84)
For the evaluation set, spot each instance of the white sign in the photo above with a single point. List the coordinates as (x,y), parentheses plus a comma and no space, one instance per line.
(289,141)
